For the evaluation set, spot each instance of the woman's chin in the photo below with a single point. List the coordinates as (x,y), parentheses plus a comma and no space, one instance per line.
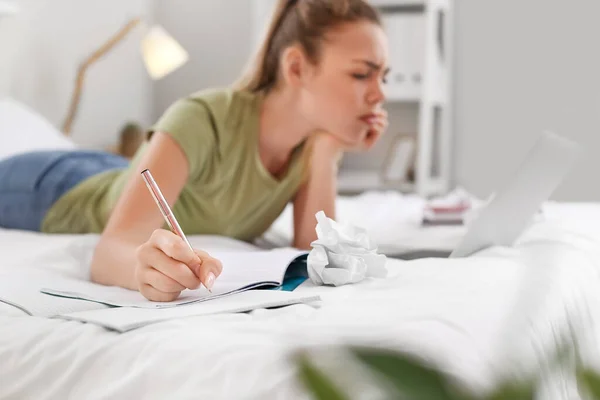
(357,137)
(350,140)
(353,138)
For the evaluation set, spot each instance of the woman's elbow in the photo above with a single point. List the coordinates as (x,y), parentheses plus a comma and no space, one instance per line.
(303,242)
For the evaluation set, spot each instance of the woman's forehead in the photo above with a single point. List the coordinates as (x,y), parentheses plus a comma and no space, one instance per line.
(363,40)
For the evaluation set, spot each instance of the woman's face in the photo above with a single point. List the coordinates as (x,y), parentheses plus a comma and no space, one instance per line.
(345,87)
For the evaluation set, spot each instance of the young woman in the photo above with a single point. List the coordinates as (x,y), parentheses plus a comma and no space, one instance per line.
(228,161)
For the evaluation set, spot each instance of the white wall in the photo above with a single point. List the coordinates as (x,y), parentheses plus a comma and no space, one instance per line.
(6,47)
(521,67)
(216,33)
(47,41)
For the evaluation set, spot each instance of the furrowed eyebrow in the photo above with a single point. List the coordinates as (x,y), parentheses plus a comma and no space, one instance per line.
(373,65)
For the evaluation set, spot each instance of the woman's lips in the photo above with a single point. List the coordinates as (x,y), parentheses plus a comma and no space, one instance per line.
(368,118)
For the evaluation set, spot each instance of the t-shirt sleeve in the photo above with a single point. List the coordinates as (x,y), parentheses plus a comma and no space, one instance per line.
(189,123)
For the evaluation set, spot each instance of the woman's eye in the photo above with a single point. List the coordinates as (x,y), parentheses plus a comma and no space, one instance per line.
(361,76)
(367,76)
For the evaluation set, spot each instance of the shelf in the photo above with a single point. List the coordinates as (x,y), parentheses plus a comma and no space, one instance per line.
(401,96)
(356,181)
(435,186)
(415,94)
(395,93)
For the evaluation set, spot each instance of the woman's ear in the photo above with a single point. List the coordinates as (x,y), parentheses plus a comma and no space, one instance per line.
(294,66)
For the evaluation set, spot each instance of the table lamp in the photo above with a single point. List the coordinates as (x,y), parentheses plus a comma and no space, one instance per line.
(160,52)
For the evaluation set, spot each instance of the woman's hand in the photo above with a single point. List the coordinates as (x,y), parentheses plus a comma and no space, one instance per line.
(378,123)
(166,266)
(320,191)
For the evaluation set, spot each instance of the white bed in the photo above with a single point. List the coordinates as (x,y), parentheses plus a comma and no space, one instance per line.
(459,313)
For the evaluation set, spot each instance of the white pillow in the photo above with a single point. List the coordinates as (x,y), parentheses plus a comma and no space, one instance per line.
(23,130)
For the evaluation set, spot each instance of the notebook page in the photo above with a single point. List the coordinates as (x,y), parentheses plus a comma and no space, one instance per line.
(241,270)
(123,319)
(21,289)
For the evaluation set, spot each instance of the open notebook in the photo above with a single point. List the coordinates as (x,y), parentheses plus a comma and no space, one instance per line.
(40,292)
(241,271)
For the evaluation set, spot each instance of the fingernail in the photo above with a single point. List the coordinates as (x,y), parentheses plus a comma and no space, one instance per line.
(210,281)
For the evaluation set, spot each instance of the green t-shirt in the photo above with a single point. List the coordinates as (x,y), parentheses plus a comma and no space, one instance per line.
(229,191)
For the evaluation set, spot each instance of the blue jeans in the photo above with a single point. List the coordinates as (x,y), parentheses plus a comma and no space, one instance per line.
(30,183)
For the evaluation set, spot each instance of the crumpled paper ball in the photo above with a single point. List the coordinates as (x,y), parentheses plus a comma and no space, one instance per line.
(343,254)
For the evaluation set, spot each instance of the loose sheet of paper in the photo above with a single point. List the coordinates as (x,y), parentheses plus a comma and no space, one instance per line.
(22,289)
(123,319)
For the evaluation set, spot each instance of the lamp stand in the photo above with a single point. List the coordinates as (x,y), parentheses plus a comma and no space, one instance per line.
(95,56)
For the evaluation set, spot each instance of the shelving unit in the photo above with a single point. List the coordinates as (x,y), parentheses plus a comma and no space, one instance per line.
(421,55)
(356,181)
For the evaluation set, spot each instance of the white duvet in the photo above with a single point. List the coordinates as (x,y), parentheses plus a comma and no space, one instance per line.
(475,316)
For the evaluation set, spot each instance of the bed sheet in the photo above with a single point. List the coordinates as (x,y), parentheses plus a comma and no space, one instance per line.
(393,220)
(474,316)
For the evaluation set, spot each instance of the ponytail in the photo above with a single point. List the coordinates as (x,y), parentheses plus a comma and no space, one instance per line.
(304,22)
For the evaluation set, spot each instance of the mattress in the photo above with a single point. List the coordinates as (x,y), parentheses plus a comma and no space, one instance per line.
(477,317)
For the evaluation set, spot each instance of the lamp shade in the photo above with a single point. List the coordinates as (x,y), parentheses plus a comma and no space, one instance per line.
(162,54)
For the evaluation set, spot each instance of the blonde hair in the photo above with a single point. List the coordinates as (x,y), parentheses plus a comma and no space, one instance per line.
(303,22)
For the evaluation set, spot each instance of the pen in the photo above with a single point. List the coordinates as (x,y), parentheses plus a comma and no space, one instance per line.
(164,208)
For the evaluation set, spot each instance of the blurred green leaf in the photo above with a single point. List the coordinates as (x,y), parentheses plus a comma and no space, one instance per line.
(411,377)
(414,379)
(514,390)
(589,380)
(314,380)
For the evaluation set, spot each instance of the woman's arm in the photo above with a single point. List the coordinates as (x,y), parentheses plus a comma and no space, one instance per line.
(319,192)
(136,215)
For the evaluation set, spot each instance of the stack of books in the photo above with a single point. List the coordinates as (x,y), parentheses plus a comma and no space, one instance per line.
(453,214)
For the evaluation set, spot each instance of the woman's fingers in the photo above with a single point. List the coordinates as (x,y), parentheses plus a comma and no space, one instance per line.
(162,282)
(379,124)
(172,257)
(176,270)
(209,270)
(175,247)
(154,294)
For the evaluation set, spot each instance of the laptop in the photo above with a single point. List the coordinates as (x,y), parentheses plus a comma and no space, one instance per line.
(511,209)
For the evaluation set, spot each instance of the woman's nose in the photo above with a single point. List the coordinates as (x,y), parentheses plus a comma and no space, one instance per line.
(376,95)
